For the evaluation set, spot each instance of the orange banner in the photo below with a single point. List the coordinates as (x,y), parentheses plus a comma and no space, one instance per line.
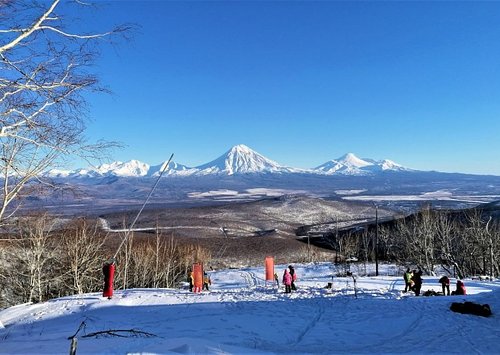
(269,268)
(198,277)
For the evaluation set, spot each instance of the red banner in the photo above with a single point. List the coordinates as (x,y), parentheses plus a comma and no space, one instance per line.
(198,277)
(108,270)
(269,268)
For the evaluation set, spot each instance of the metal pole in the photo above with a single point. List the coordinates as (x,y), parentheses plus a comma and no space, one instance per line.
(164,168)
(491,249)
(308,248)
(376,240)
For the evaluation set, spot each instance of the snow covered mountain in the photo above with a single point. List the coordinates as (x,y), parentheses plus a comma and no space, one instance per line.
(238,160)
(132,168)
(349,164)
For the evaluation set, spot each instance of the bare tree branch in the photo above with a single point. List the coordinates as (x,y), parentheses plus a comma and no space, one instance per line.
(44,72)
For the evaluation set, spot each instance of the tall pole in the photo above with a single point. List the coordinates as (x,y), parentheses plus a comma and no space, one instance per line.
(163,169)
(308,248)
(491,249)
(376,240)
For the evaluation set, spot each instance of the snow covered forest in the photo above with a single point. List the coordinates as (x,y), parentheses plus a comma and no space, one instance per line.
(43,259)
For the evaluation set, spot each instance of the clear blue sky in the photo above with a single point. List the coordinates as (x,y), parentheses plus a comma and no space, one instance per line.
(304,82)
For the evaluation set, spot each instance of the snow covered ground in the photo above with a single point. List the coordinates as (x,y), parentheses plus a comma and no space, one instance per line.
(241,314)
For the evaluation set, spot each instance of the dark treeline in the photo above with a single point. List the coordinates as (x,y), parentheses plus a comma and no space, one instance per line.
(466,243)
(41,261)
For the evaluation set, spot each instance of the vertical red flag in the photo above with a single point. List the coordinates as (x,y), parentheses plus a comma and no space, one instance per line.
(108,270)
(269,268)
(198,277)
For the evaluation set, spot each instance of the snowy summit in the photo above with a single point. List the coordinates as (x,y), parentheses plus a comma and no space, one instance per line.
(240,159)
(350,164)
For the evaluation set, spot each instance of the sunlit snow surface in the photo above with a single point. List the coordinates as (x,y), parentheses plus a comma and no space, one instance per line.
(242,314)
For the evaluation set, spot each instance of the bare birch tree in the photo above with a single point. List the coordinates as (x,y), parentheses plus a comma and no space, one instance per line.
(44,72)
(82,246)
(33,254)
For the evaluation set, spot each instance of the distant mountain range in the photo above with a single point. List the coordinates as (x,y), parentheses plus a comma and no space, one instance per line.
(240,159)
(242,174)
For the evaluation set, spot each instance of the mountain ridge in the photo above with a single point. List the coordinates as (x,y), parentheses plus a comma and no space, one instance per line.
(238,160)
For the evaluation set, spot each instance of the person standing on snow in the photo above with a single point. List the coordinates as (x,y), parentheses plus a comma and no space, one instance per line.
(445,285)
(417,281)
(407,277)
(294,277)
(206,281)
(191,280)
(287,281)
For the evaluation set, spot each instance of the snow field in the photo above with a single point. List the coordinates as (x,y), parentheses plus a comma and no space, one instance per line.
(243,314)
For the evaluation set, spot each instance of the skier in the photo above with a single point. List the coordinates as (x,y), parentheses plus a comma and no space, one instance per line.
(277,280)
(287,281)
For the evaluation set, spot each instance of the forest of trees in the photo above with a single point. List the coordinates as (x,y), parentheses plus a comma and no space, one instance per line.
(42,261)
(464,242)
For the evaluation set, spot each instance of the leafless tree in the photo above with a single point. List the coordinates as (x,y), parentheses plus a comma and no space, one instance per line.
(45,68)
(418,236)
(33,255)
(82,247)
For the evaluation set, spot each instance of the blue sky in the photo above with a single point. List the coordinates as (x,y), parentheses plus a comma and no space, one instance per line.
(304,82)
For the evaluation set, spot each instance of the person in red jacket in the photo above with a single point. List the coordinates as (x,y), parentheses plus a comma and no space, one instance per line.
(460,289)
(287,281)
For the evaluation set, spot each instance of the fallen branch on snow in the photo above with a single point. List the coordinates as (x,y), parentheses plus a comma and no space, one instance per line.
(119,333)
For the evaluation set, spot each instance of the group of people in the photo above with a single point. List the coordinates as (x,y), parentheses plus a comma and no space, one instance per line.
(206,282)
(413,282)
(289,278)
(445,285)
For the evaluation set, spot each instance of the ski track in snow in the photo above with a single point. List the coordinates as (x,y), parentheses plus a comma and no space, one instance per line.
(242,313)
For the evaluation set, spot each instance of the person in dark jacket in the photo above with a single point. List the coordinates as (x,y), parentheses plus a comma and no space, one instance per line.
(294,277)
(445,285)
(206,281)
(417,281)
(190,279)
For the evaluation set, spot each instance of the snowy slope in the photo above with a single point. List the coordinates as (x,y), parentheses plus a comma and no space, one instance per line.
(242,314)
